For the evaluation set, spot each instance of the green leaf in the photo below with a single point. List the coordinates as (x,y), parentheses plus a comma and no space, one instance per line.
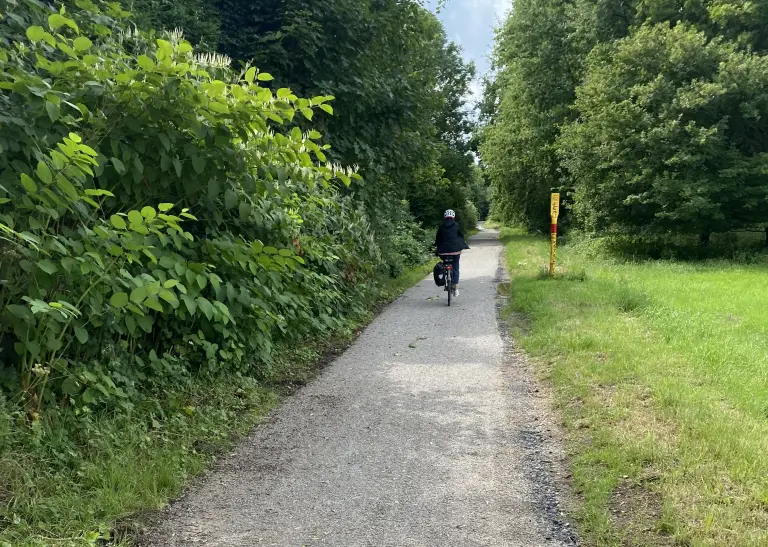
(177,166)
(165,207)
(184,47)
(119,166)
(82,43)
(245,210)
(206,307)
(139,294)
(169,297)
(265,77)
(257,246)
(201,281)
(44,172)
(148,212)
(135,217)
(230,199)
(190,304)
(327,108)
(56,21)
(70,385)
(198,163)
(47,266)
(90,396)
(308,112)
(119,300)
(118,222)
(99,193)
(35,33)
(146,63)
(28,184)
(219,108)
(53,110)
(154,304)
(145,322)
(315,135)
(249,75)
(81,334)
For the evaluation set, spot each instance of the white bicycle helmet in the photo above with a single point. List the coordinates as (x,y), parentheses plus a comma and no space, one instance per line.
(450,213)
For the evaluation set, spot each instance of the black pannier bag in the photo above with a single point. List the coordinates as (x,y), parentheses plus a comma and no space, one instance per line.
(439,274)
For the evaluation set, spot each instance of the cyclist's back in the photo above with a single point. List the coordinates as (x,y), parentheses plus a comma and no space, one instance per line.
(450,238)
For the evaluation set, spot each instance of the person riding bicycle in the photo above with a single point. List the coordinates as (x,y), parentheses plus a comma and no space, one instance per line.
(449,242)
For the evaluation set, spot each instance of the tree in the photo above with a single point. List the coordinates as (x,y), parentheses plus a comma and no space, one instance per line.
(398,84)
(531,96)
(198,19)
(671,135)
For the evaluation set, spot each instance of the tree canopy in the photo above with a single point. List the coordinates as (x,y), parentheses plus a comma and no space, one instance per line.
(650,113)
(399,87)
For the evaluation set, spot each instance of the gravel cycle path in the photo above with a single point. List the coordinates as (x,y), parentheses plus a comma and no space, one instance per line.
(428,431)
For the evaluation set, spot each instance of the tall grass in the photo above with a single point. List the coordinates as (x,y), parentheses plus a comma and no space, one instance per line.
(661,370)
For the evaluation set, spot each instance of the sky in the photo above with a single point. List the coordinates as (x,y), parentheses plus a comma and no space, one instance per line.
(470,24)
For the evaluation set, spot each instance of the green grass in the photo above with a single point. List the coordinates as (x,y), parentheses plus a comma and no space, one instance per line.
(661,374)
(82,480)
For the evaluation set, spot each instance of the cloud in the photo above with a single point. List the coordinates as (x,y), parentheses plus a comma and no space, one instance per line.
(470,24)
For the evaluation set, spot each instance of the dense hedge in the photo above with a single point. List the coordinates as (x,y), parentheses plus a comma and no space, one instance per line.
(162,214)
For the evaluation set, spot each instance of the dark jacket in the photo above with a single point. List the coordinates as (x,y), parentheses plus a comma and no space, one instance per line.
(450,238)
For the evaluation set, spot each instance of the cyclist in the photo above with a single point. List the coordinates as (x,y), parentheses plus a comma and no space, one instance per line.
(449,242)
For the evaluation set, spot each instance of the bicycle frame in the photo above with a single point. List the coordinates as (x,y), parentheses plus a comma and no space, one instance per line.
(448,267)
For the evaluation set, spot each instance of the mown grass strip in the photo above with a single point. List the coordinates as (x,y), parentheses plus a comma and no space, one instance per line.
(661,373)
(88,480)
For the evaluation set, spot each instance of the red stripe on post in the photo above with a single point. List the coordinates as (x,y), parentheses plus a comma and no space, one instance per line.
(553,228)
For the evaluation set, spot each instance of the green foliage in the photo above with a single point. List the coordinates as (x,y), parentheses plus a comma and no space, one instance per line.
(480,193)
(645,114)
(199,19)
(529,99)
(684,139)
(161,214)
(400,90)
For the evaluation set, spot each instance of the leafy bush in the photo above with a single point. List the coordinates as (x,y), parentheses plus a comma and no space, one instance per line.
(469,216)
(162,215)
(682,140)
(403,242)
(747,247)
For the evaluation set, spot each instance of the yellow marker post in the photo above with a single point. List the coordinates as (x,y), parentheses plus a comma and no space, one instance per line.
(554,212)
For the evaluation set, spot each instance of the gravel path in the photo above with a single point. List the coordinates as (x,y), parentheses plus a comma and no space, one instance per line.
(428,431)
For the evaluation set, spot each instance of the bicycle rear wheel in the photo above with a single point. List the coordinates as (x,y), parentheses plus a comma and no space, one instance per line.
(449,287)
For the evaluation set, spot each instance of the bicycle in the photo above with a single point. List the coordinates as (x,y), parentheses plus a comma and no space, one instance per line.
(448,268)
